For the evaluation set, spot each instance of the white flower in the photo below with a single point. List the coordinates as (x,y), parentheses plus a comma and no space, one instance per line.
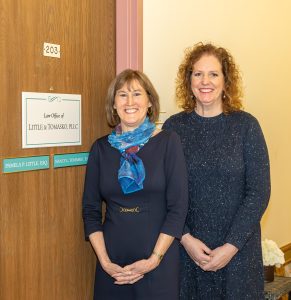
(272,254)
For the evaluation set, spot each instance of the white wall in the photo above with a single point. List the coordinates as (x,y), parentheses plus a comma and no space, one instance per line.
(257,33)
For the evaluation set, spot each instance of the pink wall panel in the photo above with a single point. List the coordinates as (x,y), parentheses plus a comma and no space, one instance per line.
(129,37)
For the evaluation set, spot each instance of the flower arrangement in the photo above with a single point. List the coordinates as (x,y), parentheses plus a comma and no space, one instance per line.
(272,254)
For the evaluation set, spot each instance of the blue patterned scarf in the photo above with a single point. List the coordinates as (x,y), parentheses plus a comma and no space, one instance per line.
(131,173)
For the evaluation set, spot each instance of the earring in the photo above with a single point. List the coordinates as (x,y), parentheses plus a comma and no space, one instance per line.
(150,111)
(114,111)
(223,96)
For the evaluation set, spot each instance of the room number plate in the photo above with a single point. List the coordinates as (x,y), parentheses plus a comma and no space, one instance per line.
(52,50)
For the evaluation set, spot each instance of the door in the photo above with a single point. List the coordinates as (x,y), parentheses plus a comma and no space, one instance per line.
(43,254)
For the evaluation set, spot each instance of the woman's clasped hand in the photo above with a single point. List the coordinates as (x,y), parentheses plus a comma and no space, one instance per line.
(131,273)
(204,257)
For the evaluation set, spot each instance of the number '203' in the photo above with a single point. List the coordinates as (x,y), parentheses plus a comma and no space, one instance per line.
(51,49)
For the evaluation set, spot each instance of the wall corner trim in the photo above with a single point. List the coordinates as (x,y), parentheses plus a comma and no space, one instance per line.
(129,35)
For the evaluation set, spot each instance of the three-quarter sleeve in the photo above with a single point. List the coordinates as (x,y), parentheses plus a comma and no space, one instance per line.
(176,189)
(92,201)
(257,186)
(169,126)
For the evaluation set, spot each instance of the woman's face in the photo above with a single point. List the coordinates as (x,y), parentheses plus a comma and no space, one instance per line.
(131,103)
(207,82)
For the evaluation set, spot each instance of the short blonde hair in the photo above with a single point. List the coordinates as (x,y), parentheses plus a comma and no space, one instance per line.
(127,77)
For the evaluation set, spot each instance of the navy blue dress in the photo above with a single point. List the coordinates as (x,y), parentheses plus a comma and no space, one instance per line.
(229,189)
(134,221)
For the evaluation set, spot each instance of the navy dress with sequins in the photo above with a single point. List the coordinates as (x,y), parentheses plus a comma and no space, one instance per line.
(134,221)
(229,189)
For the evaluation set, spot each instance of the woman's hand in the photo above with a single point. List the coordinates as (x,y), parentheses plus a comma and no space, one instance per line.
(117,272)
(134,272)
(97,241)
(111,268)
(196,249)
(220,257)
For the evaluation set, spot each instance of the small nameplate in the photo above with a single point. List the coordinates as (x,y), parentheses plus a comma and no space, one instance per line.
(21,164)
(69,160)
